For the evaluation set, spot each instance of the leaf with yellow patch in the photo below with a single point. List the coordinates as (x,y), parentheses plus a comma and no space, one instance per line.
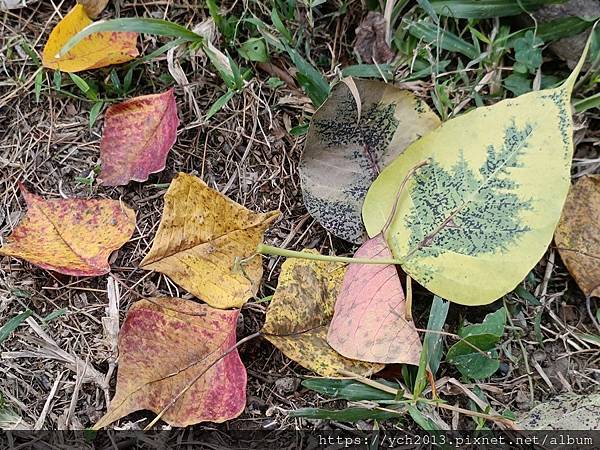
(138,135)
(94,51)
(578,234)
(478,217)
(70,236)
(171,361)
(202,239)
(299,314)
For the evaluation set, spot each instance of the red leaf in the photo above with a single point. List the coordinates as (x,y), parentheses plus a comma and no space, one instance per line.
(168,346)
(138,135)
(369,320)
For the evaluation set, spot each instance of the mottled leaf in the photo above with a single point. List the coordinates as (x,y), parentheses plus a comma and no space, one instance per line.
(202,239)
(168,346)
(300,312)
(577,236)
(343,155)
(476,219)
(567,411)
(138,135)
(70,236)
(369,322)
(96,50)
(93,8)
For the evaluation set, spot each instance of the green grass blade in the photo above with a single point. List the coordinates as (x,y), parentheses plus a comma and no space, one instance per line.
(12,324)
(434,35)
(349,389)
(346,415)
(433,340)
(485,9)
(157,27)
(584,104)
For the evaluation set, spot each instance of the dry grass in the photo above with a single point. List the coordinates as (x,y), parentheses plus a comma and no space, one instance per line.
(58,374)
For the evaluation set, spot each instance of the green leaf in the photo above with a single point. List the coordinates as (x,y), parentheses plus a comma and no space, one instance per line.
(156,27)
(493,324)
(57,80)
(349,389)
(55,314)
(585,104)
(485,9)
(311,80)
(426,5)
(433,341)
(527,296)
(437,36)
(279,25)
(39,80)
(517,84)
(528,51)
(553,30)
(299,130)
(346,415)
(83,86)
(221,101)
(469,361)
(95,112)
(472,222)
(254,49)
(12,324)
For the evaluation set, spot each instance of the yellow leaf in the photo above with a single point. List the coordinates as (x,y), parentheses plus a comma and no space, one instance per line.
(300,312)
(201,240)
(475,220)
(578,234)
(96,50)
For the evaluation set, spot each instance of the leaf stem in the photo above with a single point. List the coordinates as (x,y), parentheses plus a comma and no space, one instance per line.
(276,251)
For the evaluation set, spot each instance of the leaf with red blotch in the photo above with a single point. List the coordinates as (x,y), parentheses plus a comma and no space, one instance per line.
(369,319)
(171,357)
(138,135)
(70,236)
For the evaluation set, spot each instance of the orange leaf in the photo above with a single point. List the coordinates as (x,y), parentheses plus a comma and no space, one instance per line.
(72,236)
(369,321)
(96,50)
(138,135)
(168,346)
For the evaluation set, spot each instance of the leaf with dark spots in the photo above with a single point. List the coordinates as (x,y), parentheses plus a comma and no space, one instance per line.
(171,361)
(343,155)
(70,236)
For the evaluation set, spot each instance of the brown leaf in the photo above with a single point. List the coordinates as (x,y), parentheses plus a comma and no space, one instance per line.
(70,236)
(93,8)
(299,314)
(170,345)
(369,321)
(577,236)
(201,240)
(370,42)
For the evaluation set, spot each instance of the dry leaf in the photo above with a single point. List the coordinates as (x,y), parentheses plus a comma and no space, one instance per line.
(166,347)
(369,321)
(299,314)
(577,236)
(5,5)
(201,240)
(370,43)
(343,155)
(138,135)
(96,50)
(72,236)
(93,8)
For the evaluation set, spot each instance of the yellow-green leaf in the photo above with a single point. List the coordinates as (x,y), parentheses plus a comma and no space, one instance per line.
(357,132)
(299,315)
(473,222)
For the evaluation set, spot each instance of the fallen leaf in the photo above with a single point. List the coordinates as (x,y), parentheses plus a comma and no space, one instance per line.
(170,345)
(369,321)
(201,239)
(567,411)
(70,236)
(138,135)
(371,44)
(94,51)
(300,312)
(93,8)
(577,236)
(5,5)
(343,155)
(479,216)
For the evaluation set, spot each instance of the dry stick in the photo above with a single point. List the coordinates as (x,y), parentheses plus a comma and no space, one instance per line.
(390,390)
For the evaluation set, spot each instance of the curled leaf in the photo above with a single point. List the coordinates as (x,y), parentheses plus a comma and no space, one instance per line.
(168,346)
(300,312)
(369,322)
(206,243)
(138,135)
(578,234)
(344,154)
(96,50)
(70,236)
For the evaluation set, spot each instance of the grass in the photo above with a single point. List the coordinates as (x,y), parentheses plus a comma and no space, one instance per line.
(245,102)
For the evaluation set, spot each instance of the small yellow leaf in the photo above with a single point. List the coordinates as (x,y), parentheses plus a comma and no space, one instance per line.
(202,239)
(96,50)
(300,312)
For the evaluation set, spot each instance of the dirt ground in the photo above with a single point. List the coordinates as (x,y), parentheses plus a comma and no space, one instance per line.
(246,152)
